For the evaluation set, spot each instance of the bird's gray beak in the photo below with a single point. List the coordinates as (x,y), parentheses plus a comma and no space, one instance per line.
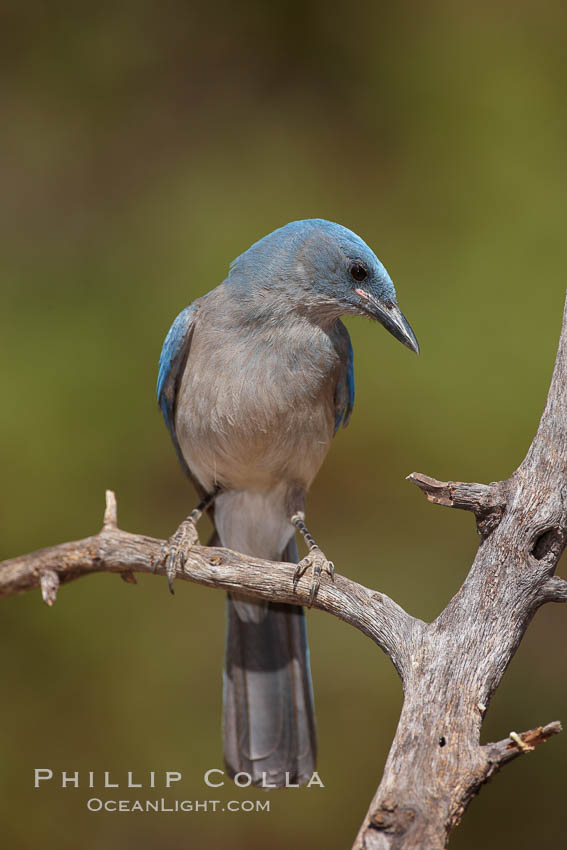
(389,314)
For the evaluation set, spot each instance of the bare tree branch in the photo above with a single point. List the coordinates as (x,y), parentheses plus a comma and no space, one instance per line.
(515,745)
(117,551)
(449,668)
(554,590)
(436,763)
(486,501)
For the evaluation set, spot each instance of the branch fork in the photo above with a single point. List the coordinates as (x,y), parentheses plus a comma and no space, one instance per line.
(450,668)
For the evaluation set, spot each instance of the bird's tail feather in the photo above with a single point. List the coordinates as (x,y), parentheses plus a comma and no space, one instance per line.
(268,717)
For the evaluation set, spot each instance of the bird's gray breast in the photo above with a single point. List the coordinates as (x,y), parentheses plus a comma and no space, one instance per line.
(256,402)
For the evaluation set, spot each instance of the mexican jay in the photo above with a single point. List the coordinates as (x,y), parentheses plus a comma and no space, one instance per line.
(255,378)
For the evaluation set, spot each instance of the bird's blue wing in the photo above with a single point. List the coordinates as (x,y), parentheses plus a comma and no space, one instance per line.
(344,391)
(172,362)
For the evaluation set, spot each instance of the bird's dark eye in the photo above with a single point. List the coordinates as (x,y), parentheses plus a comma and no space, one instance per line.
(358,271)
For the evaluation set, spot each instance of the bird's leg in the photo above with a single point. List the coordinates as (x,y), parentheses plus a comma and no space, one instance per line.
(314,558)
(174,552)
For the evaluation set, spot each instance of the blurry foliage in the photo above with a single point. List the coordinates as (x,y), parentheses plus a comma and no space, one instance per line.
(144,145)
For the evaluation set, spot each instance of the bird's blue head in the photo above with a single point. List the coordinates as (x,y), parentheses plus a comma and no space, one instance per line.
(325,269)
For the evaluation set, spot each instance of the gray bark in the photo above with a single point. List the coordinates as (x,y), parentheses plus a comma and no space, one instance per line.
(449,668)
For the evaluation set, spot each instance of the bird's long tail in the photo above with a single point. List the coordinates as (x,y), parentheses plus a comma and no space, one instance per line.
(268,718)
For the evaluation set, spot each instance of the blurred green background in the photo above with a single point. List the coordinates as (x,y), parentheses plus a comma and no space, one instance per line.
(143,146)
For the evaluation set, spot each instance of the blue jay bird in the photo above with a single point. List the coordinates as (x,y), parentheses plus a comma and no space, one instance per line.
(255,378)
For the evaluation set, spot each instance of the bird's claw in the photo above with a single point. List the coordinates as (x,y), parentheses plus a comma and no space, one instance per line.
(319,563)
(175,550)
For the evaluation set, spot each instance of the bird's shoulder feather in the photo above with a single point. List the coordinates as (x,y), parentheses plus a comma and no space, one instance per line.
(344,390)
(174,354)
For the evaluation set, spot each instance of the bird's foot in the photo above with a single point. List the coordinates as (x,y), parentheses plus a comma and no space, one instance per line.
(319,563)
(174,551)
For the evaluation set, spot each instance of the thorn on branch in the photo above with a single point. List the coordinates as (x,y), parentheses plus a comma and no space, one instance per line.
(110,512)
(49,583)
(486,501)
(129,577)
